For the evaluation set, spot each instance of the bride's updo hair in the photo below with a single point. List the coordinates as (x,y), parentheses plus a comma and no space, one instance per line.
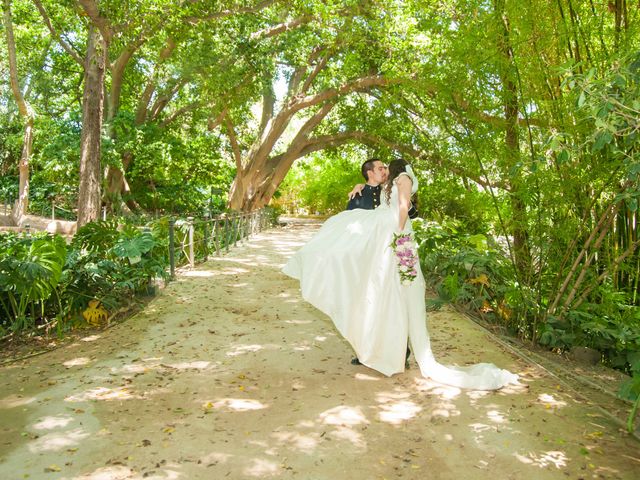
(396,167)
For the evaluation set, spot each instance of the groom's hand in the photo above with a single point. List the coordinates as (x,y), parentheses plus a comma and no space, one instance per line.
(357,190)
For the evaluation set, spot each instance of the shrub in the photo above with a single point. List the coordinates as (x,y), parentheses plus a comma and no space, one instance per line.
(41,278)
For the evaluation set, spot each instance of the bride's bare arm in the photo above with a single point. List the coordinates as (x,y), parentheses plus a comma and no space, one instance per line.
(404,199)
(357,190)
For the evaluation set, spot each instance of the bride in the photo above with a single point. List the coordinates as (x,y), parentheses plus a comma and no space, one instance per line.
(348,271)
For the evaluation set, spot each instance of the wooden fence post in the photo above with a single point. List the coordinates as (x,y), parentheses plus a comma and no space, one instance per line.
(172,248)
(206,238)
(216,235)
(192,259)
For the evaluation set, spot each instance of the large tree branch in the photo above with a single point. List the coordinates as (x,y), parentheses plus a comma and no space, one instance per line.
(283,27)
(23,106)
(227,13)
(145,98)
(323,142)
(179,112)
(93,12)
(295,80)
(237,154)
(316,70)
(213,123)
(117,76)
(163,100)
(309,126)
(359,84)
(54,33)
(299,72)
(268,102)
(299,141)
(263,145)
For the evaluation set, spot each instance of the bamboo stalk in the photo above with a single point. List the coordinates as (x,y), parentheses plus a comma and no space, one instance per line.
(604,274)
(606,215)
(585,266)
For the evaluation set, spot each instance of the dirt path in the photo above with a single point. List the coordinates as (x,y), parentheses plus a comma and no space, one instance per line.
(229,374)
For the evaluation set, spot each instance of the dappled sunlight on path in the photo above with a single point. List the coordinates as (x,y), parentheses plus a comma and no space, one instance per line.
(230,374)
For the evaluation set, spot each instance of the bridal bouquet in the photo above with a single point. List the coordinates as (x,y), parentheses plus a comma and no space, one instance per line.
(406,253)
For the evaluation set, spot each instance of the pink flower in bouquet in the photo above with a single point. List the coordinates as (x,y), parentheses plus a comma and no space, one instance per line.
(406,254)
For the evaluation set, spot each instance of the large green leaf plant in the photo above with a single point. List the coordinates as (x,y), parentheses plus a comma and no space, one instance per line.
(30,269)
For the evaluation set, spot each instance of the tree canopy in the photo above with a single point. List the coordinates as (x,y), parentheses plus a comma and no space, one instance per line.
(527,110)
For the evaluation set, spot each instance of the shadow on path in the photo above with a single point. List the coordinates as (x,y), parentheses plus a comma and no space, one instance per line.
(229,374)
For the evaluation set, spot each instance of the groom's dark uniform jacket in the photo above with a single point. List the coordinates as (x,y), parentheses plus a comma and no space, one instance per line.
(370,199)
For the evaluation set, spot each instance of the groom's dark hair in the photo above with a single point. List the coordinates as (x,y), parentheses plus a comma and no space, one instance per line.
(367,167)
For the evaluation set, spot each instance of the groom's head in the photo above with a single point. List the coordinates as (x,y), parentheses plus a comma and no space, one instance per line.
(374,171)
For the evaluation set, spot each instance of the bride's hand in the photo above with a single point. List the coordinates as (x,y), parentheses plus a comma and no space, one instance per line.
(357,190)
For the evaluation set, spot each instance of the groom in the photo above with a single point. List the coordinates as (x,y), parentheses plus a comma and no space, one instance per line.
(375,173)
(367,196)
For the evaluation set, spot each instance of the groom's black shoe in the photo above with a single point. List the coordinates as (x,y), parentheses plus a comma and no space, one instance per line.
(355,361)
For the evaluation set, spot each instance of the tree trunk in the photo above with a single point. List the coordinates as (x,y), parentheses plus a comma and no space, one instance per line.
(92,112)
(519,223)
(260,174)
(22,204)
(242,192)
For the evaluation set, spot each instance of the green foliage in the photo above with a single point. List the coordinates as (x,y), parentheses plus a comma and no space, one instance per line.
(630,390)
(611,326)
(42,278)
(30,269)
(112,262)
(10,145)
(174,170)
(469,269)
(442,197)
(8,188)
(322,183)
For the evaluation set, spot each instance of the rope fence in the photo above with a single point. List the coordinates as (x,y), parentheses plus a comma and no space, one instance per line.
(192,240)
(47,210)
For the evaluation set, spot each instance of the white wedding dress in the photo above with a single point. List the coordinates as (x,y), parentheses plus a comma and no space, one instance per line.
(348,271)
